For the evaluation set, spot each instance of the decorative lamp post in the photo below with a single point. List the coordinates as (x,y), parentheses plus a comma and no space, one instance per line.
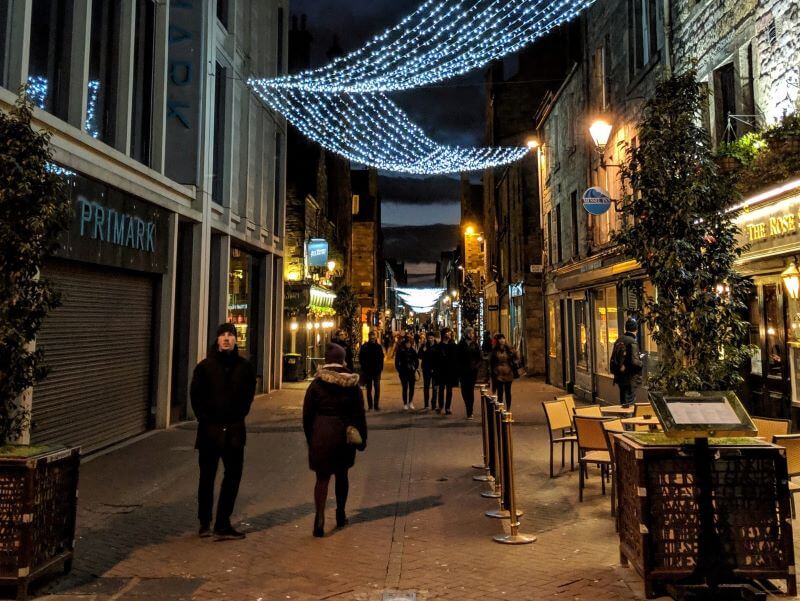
(791,280)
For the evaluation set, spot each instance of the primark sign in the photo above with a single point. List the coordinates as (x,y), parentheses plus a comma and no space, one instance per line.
(111,227)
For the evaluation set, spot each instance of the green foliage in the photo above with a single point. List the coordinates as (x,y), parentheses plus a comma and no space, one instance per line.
(34,209)
(470,303)
(677,227)
(744,149)
(347,308)
(778,161)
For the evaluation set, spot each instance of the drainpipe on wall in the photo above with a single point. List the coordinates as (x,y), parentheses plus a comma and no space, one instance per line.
(668,37)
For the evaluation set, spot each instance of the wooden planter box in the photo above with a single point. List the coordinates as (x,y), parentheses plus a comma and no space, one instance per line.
(38,502)
(657,513)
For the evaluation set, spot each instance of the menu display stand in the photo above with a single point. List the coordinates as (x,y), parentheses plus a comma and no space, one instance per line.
(703,415)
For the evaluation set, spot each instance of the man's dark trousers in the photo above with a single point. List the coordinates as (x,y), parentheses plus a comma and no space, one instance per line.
(427,383)
(445,396)
(232,456)
(373,382)
(626,393)
(468,393)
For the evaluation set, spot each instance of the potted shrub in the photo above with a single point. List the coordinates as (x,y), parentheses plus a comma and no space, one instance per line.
(38,485)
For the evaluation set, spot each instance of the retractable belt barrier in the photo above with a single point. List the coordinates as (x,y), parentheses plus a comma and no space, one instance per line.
(498,455)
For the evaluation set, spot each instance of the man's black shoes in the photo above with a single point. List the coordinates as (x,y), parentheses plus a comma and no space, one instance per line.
(228,533)
(205,530)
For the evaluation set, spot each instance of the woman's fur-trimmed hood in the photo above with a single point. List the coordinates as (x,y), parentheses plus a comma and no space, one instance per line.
(336,375)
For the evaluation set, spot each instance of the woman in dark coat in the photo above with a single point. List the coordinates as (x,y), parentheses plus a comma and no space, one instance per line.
(503,361)
(406,362)
(333,402)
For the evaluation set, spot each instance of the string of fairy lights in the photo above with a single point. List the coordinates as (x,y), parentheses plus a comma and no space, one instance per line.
(343,106)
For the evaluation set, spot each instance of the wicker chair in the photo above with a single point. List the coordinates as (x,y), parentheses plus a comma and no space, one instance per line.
(790,442)
(559,427)
(769,427)
(589,411)
(592,449)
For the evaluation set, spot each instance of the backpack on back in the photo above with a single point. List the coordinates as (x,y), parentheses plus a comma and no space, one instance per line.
(618,354)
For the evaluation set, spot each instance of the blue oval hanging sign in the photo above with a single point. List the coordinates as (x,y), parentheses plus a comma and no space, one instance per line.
(596,201)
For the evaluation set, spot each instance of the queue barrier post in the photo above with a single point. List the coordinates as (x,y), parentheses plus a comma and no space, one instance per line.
(487,476)
(514,537)
(495,489)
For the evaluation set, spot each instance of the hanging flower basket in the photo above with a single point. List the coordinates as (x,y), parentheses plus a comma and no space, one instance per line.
(728,164)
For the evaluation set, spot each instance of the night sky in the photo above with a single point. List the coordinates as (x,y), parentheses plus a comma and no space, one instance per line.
(450,112)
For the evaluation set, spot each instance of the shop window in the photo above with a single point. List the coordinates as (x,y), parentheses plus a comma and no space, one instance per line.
(649,344)
(143,78)
(5,40)
(606,326)
(581,335)
(756,360)
(101,103)
(51,39)
(603,225)
(776,343)
(218,182)
(552,328)
(240,296)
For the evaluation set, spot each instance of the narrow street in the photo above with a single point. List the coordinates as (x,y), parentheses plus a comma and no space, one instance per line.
(417,522)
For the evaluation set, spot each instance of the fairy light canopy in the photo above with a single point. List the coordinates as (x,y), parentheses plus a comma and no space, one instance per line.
(420,300)
(343,106)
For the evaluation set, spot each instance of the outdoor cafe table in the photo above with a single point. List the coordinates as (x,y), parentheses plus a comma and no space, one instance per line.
(617,410)
(652,422)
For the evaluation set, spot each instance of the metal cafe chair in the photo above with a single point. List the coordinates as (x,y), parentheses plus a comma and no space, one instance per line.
(569,401)
(769,427)
(589,411)
(611,427)
(592,449)
(790,442)
(559,427)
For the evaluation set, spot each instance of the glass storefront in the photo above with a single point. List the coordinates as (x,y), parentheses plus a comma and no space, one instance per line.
(241,297)
(581,335)
(606,326)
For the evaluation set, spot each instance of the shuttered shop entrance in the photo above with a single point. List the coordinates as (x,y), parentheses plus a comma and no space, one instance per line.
(98,346)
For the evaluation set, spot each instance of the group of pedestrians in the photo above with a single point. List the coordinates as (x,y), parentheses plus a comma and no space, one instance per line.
(334,418)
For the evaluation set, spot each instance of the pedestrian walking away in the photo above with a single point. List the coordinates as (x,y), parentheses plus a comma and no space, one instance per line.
(335,426)
(222,391)
(626,363)
(406,361)
(469,362)
(446,370)
(371,358)
(504,366)
(341,338)
(427,357)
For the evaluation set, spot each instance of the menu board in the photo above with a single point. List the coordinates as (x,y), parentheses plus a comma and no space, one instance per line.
(711,411)
(702,414)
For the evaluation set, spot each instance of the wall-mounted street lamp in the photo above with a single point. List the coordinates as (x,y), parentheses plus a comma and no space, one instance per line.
(600,130)
(532,143)
(331,265)
(791,280)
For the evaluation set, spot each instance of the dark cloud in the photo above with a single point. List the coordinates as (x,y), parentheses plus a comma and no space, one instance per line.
(427,191)
(420,244)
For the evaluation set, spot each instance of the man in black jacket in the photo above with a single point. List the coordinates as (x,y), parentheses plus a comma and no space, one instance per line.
(626,363)
(427,357)
(370,358)
(446,370)
(222,390)
(469,361)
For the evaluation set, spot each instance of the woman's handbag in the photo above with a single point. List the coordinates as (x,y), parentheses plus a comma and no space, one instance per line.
(354,436)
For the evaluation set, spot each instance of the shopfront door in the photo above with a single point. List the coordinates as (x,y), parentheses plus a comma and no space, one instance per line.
(769,378)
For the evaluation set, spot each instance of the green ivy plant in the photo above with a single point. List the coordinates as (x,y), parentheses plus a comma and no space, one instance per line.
(677,226)
(347,307)
(744,149)
(777,161)
(34,209)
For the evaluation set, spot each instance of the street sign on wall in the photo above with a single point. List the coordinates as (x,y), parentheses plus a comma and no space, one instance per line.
(596,201)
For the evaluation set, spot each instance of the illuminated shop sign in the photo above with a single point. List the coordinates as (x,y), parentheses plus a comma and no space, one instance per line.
(771,227)
(317,252)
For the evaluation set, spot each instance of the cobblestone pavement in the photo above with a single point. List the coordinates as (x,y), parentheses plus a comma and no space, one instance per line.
(417,522)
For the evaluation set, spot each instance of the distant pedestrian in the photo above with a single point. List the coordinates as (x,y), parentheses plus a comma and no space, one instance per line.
(446,370)
(626,363)
(341,338)
(333,404)
(427,357)
(469,362)
(504,366)
(406,361)
(222,390)
(370,359)
(486,346)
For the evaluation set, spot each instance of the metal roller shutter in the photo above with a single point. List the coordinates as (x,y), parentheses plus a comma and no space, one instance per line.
(98,346)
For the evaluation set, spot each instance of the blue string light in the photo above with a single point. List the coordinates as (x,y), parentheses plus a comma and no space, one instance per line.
(91,109)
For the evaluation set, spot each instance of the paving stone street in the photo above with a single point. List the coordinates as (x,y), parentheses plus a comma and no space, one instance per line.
(417,523)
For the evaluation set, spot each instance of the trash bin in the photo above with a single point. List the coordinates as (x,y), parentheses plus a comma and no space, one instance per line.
(292,367)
